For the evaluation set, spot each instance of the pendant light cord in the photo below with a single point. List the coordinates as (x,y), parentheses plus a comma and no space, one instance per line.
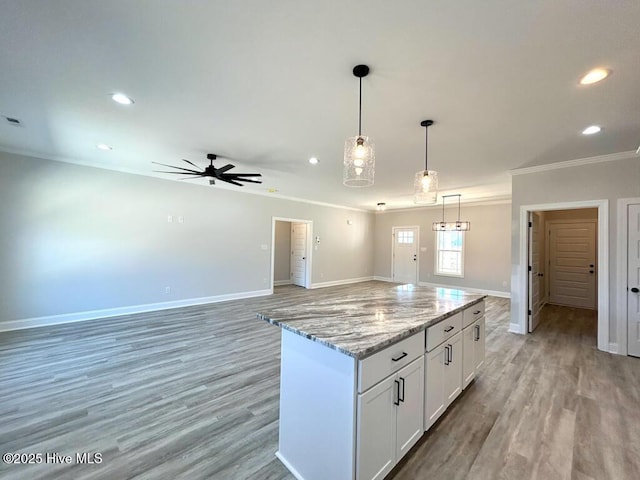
(426,148)
(360,110)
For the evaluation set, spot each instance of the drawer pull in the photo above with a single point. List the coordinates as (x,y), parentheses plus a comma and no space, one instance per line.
(404,354)
(477,337)
(477,312)
(449,328)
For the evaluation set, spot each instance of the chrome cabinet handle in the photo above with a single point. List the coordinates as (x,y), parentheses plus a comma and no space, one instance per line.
(477,333)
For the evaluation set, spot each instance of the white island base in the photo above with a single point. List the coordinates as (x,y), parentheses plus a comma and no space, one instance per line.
(342,418)
(317,410)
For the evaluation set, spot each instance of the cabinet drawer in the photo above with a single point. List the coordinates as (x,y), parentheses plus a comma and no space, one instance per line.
(441,331)
(382,364)
(472,314)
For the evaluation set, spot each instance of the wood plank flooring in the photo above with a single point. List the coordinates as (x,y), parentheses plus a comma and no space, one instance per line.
(193,393)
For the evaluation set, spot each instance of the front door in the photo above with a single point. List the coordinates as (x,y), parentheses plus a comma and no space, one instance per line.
(633,281)
(572,264)
(405,254)
(299,254)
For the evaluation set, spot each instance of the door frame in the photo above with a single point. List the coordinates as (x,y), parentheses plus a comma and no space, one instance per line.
(547,228)
(621,275)
(393,249)
(519,324)
(307,280)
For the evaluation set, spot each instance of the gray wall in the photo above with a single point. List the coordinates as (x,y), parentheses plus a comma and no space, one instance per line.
(282,252)
(487,244)
(607,180)
(76,239)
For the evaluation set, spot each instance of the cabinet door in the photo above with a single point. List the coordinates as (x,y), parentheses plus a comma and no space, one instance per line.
(409,414)
(468,355)
(376,435)
(479,344)
(453,369)
(434,403)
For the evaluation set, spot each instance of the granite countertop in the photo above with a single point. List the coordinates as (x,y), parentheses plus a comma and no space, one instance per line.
(359,325)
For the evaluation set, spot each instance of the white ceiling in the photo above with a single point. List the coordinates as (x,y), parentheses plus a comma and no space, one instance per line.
(269,84)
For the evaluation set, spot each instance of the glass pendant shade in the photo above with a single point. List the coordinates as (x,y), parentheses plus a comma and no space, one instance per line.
(359,162)
(457,226)
(425,187)
(451,226)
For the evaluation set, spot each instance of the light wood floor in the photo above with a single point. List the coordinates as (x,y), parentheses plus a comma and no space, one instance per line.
(193,393)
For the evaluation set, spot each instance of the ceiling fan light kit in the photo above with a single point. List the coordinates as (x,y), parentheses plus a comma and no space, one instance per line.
(212,172)
(458,225)
(359,151)
(425,183)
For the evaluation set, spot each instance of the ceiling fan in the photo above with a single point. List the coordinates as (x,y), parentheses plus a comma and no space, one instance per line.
(213,172)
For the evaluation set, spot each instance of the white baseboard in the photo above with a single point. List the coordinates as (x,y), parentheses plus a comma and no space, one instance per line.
(115,312)
(493,293)
(614,348)
(383,279)
(293,471)
(515,328)
(279,283)
(341,282)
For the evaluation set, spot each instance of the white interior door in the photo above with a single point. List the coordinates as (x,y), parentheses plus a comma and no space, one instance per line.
(405,254)
(535,274)
(633,281)
(299,254)
(572,264)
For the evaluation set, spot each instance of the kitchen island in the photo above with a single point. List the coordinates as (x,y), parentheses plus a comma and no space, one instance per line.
(353,370)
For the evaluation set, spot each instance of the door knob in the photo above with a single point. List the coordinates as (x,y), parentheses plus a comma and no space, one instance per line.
(635,290)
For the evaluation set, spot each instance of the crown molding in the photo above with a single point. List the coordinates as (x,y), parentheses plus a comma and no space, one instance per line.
(611,157)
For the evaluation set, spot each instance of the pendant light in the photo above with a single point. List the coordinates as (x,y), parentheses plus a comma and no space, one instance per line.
(425,184)
(451,226)
(359,153)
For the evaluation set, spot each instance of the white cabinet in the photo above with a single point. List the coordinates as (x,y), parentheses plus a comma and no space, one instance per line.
(443,378)
(389,421)
(473,343)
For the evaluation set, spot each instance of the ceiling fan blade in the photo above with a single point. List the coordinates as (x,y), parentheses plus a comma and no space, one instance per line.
(231,181)
(191,177)
(247,180)
(242,174)
(190,162)
(191,172)
(179,168)
(228,166)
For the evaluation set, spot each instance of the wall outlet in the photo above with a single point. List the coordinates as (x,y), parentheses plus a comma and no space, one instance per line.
(167,290)
(264,246)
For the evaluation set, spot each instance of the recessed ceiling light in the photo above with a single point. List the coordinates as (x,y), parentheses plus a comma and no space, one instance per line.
(314,161)
(122,99)
(591,130)
(104,147)
(595,76)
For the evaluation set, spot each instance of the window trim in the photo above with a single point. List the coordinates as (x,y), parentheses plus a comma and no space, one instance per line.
(436,250)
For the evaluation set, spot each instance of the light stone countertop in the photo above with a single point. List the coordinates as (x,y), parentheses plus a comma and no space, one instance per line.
(360,325)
